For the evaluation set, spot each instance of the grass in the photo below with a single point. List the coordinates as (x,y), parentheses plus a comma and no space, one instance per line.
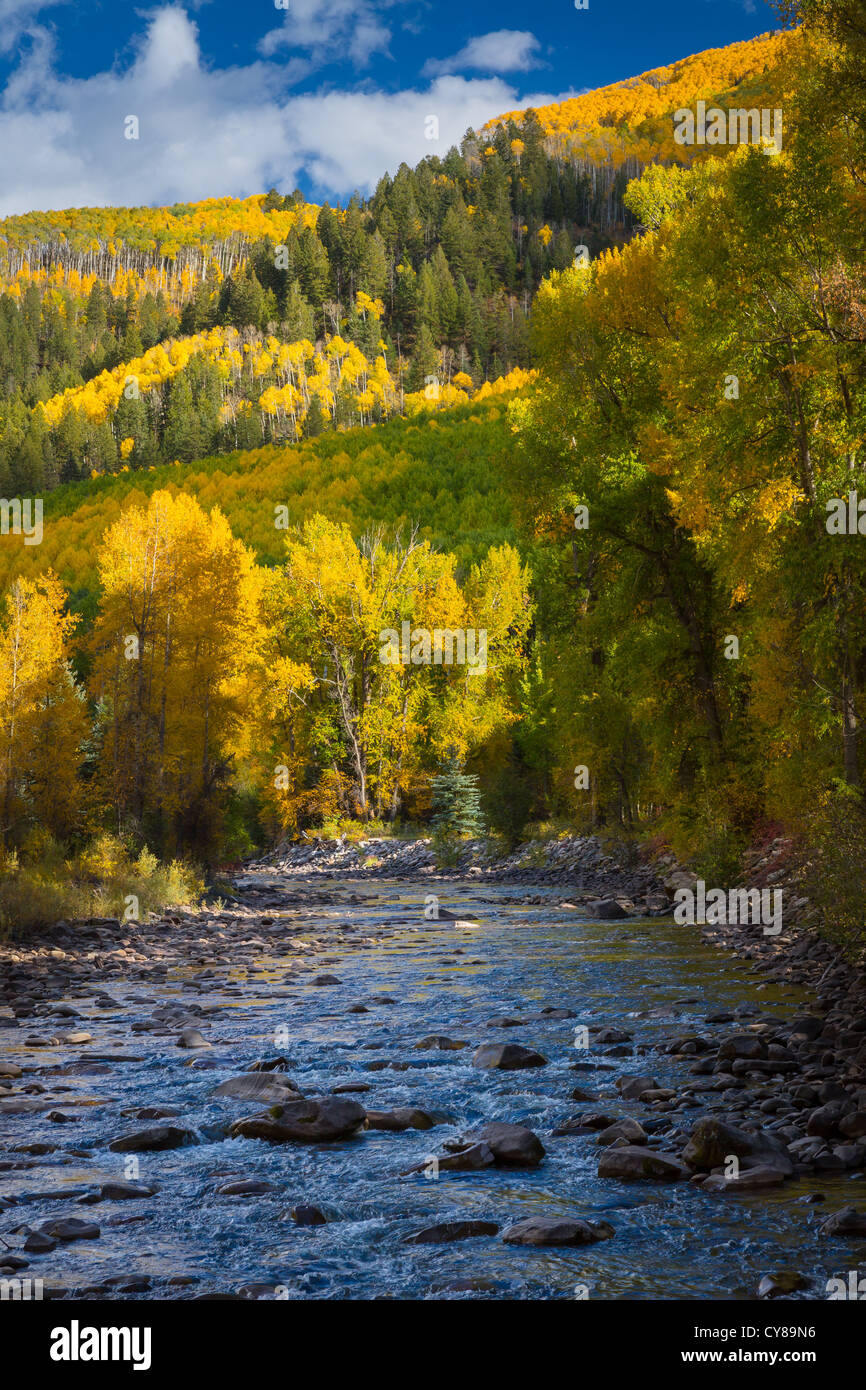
(106,879)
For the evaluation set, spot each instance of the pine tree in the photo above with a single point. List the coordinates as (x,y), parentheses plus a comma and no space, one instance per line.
(456,802)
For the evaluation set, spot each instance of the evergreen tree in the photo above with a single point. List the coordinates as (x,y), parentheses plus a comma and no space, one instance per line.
(456,802)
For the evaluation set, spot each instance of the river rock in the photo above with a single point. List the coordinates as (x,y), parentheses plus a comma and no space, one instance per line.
(401,1118)
(303,1121)
(38,1243)
(513,1146)
(634,1087)
(826,1121)
(847,1222)
(153,1140)
(624,1131)
(853,1126)
(787,1281)
(747,1180)
(712,1142)
(69,1228)
(507,1057)
(308,1216)
(443,1044)
(125,1191)
(556,1230)
(191,1037)
(608,910)
(742,1045)
(613,1035)
(633,1163)
(807,1026)
(458,1157)
(246,1187)
(445,1231)
(258,1085)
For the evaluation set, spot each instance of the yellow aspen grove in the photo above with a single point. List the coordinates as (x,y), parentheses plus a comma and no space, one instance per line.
(42,724)
(176,645)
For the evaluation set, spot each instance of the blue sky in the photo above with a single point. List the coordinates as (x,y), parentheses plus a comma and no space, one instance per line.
(326,95)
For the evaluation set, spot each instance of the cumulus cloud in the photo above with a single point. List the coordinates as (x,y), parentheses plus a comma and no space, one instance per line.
(210,132)
(504,50)
(329,29)
(17,18)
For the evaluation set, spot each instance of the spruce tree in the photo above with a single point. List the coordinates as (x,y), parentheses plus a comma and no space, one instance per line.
(456,802)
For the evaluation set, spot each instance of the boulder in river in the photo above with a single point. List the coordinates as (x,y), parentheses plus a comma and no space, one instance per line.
(608,910)
(308,1216)
(445,1231)
(747,1180)
(68,1228)
(846,1222)
(743,1046)
(153,1140)
(779,1285)
(125,1191)
(712,1143)
(853,1126)
(191,1037)
(631,1163)
(624,1131)
(513,1146)
(315,1120)
(459,1156)
(246,1187)
(258,1085)
(556,1230)
(441,1043)
(401,1118)
(826,1121)
(507,1057)
(634,1087)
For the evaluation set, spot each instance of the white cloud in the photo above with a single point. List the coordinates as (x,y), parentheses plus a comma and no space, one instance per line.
(169,48)
(17,17)
(329,29)
(504,50)
(208,133)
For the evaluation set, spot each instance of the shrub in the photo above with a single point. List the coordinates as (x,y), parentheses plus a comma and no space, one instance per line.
(42,886)
(835,877)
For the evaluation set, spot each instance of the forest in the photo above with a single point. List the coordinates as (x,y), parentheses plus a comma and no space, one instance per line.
(639,491)
(135,337)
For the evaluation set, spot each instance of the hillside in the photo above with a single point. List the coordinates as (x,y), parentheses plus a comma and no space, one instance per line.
(136,337)
(632,118)
(231,478)
(440,472)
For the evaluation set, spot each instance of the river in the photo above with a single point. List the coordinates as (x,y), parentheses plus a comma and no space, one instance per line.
(652,979)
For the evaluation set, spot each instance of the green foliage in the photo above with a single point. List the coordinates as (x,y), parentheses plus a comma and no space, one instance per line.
(44,886)
(456,806)
(835,881)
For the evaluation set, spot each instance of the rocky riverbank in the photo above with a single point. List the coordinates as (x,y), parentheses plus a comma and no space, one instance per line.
(152,1076)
